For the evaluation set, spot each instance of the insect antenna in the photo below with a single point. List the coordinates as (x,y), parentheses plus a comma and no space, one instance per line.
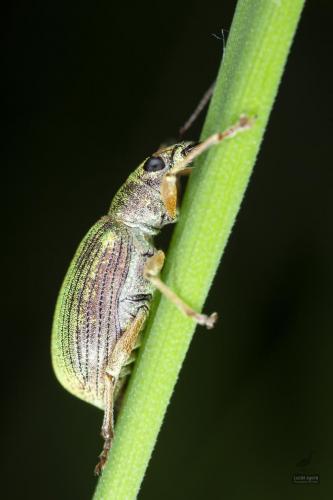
(202,103)
(207,95)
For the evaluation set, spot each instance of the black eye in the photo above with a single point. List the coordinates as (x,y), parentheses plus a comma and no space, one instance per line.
(154,164)
(189,148)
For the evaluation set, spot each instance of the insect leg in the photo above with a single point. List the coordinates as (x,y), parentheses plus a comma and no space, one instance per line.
(107,427)
(118,359)
(244,123)
(169,191)
(152,269)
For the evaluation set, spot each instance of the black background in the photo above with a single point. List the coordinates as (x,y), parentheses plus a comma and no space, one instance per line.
(93,88)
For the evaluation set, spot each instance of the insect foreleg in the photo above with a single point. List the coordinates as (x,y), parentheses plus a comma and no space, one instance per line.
(169,183)
(151,272)
(244,123)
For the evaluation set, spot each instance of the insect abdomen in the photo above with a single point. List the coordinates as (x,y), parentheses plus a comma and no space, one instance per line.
(86,324)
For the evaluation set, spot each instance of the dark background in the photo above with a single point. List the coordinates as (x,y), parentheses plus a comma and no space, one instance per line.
(93,88)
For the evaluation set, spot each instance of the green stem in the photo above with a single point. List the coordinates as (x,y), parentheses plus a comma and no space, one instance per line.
(258,45)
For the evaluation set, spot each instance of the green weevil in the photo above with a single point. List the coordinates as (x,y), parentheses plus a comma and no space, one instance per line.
(105,297)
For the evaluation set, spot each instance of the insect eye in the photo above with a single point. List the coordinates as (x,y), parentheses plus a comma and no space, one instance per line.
(154,164)
(189,148)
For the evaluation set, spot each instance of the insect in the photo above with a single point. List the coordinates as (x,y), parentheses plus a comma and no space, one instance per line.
(105,297)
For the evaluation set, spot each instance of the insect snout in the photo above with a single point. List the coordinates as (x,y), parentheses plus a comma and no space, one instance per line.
(188,148)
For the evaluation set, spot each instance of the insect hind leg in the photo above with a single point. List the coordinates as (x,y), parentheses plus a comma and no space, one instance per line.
(107,431)
(118,359)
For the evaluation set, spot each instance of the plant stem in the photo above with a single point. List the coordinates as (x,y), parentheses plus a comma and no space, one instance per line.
(257,49)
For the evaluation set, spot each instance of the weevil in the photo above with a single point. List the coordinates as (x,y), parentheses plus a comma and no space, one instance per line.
(105,297)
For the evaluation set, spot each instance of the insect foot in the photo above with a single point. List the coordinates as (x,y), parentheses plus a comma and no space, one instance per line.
(244,123)
(207,321)
(103,457)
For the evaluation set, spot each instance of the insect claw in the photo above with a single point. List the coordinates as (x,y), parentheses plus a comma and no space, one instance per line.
(100,466)
(101,462)
(104,455)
